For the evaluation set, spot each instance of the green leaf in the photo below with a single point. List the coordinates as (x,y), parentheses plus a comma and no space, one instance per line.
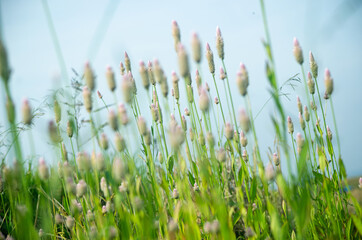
(253,190)
(342,169)
(170,162)
(191,179)
(357,222)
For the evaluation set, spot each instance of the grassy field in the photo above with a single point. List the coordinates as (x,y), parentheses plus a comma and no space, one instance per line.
(193,174)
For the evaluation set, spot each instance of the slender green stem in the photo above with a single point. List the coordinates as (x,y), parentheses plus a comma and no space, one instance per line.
(295,153)
(335,126)
(231,100)
(55,39)
(218,96)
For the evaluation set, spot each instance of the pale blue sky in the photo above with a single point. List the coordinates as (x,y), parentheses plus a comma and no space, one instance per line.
(331,29)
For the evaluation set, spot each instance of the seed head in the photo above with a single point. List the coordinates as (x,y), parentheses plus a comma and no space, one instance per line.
(210,139)
(98,161)
(196,47)
(122,111)
(204,101)
(276,159)
(176,34)
(57,111)
(300,106)
(198,80)
(119,142)
(118,169)
(306,114)
(360,183)
(311,84)
(216,100)
(26,112)
(127,88)
(202,139)
(183,61)
(144,75)
(10,109)
(150,74)
(64,152)
(155,112)
(43,169)
(76,207)
(164,86)
(176,89)
(301,121)
(157,71)
(54,133)
(187,112)
(222,74)
(4,64)
(269,172)
(104,187)
(242,81)
(121,68)
(190,94)
(69,222)
(210,59)
(58,219)
(313,65)
(175,194)
(112,120)
(244,121)
(127,62)
(104,141)
(243,139)
(219,43)
(142,126)
(177,136)
(148,138)
(328,81)
(221,155)
(196,187)
(81,188)
(297,50)
(290,125)
(172,226)
(229,131)
(110,79)
(89,77)
(329,134)
(83,161)
(87,98)
(313,106)
(192,136)
(184,123)
(123,187)
(300,142)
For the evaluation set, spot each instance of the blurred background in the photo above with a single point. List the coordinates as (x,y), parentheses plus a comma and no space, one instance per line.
(47,39)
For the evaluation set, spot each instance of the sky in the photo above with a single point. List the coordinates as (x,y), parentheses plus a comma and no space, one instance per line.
(101,31)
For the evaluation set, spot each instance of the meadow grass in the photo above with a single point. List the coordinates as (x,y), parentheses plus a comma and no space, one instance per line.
(193,174)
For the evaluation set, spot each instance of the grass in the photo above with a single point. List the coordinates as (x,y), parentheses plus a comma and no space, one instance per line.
(193,175)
